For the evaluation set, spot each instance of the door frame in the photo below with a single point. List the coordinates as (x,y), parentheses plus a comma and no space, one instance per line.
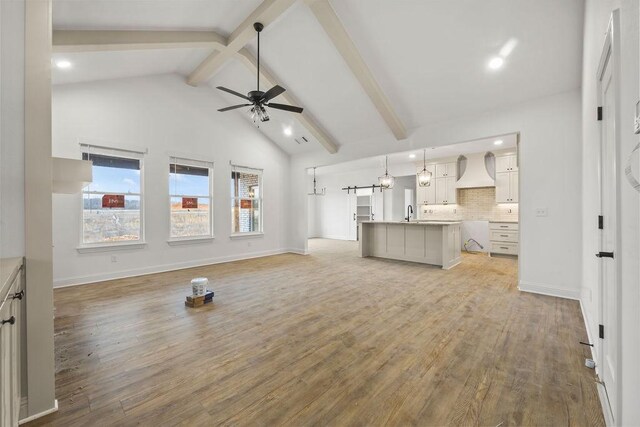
(610,57)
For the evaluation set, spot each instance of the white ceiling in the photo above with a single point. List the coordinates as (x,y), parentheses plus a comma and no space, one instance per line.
(429,56)
(90,66)
(445,151)
(222,16)
(236,76)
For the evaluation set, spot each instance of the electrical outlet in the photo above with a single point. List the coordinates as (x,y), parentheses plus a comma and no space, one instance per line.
(114,258)
(541,212)
(249,244)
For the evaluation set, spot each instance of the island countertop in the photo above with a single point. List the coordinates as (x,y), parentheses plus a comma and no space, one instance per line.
(419,222)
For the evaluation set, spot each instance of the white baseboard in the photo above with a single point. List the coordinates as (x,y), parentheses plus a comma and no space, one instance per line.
(333,237)
(39,414)
(537,288)
(606,409)
(590,335)
(602,394)
(298,251)
(101,277)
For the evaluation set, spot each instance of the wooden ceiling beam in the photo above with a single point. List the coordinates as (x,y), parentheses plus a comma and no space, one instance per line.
(266,13)
(100,41)
(269,80)
(328,19)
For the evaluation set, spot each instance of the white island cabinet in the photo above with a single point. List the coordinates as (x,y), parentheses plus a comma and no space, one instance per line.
(428,242)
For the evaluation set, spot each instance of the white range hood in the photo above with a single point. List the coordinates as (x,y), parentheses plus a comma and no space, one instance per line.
(475,174)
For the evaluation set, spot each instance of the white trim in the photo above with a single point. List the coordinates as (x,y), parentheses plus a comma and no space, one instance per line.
(189,156)
(298,251)
(190,240)
(244,169)
(124,153)
(606,409)
(83,280)
(260,199)
(40,414)
(211,172)
(24,408)
(105,247)
(544,289)
(602,396)
(247,234)
(590,336)
(109,146)
(191,161)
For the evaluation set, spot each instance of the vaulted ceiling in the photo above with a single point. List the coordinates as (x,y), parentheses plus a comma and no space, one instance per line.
(427,58)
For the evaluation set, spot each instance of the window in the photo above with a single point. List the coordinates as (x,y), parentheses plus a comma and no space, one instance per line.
(190,188)
(112,203)
(246,200)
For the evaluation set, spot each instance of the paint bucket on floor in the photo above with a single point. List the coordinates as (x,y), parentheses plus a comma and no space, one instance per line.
(199,286)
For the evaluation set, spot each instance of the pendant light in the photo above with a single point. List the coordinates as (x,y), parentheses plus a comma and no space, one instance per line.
(424,176)
(386,180)
(315,192)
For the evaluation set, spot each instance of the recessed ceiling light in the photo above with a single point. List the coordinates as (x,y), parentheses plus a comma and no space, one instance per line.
(63,64)
(412,156)
(288,131)
(496,63)
(497,142)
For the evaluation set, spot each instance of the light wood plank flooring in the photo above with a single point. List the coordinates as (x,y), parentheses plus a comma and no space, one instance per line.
(325,339)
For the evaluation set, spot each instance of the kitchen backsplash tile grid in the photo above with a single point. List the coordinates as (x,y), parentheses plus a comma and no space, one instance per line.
(474,204)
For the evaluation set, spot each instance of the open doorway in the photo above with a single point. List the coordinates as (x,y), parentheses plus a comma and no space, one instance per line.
(473,183)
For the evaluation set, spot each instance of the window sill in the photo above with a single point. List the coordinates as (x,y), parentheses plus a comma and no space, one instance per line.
(247,235)
(190,241)
(86,249)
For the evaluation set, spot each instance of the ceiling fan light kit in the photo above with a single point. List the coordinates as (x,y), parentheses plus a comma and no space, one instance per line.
(258,100)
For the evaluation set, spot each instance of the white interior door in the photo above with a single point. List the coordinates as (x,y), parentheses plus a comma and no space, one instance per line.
(608,344)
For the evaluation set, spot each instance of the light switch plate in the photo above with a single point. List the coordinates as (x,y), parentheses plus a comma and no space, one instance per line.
(541,212)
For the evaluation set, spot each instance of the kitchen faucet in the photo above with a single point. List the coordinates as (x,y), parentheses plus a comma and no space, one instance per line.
(409,212)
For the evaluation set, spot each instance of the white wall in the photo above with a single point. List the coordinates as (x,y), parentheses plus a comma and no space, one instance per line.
(332,211)
(550,177)
(399,207)
(163,114)
(12,129)
(597,15)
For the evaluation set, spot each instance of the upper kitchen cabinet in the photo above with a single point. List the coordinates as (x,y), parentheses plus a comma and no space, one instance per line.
(508,163)
(444,170)
(506,179)
(446,190)
(426,195)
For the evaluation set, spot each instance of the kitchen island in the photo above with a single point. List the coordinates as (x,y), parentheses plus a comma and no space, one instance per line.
(427,242)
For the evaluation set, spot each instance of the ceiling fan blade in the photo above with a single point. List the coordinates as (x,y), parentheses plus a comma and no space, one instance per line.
(234,107)
(284,107)
(233,92)
(272,93)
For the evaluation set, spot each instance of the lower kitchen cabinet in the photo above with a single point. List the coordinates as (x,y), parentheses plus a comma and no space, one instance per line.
(503,238)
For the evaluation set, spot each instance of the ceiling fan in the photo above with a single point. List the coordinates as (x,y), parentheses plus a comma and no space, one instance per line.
(258,99)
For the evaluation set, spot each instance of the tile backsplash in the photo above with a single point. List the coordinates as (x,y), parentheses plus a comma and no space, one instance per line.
(474,204)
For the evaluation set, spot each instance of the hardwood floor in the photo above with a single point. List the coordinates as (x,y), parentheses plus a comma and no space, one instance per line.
(329,338)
